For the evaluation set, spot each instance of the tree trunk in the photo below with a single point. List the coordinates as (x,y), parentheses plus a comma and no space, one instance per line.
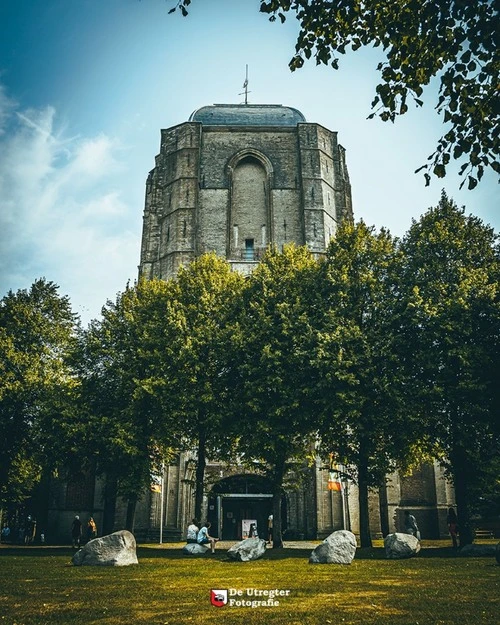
(364,514)
(110,489)
(200,476)
(461,483)
(278,475)
(383,508)
(41,504)
(131,508)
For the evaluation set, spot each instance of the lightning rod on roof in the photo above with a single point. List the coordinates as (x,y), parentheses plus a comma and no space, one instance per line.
(245,86)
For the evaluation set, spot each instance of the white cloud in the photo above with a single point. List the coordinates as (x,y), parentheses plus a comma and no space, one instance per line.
(6,106)
(62,214)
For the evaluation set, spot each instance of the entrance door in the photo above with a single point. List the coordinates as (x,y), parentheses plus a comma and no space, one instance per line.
(235,510)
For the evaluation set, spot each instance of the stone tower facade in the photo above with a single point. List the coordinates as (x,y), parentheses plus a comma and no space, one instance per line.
(236,179)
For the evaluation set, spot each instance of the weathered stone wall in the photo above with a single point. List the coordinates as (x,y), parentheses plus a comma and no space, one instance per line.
(169,222)
(223,188)
(330,504)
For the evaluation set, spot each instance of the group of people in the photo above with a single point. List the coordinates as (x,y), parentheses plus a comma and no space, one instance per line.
(77,531)
(25,534)
(411,526)
(201,535)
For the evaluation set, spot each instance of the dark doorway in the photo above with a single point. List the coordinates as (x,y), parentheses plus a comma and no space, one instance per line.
(236,501)
(237,513)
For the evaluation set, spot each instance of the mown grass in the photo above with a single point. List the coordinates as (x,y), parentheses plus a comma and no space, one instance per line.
(39,586)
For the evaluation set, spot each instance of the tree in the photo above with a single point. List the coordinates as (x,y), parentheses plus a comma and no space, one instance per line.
(455,40)
(124,429)
(272,385)
(37,327)
(360,390)
(450,326)
(196,330)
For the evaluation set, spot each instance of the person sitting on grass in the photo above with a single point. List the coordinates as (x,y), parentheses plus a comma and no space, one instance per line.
(204,537)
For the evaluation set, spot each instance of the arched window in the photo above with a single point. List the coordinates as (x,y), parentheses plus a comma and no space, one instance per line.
(249,219)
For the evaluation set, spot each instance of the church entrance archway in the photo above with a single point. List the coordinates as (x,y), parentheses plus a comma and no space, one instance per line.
(235,502)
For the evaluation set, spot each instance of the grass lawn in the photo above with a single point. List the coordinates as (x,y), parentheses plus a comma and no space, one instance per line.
(39,586)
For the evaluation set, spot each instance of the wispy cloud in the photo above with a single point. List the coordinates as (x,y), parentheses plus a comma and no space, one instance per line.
(62,213)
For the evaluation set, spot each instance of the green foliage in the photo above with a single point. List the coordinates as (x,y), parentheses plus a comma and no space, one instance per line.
(355,352)
(360,389)
(37,328)
(450,326)
(272,347)
(274,390)
(123,426)
(454,40)
(153,372)
(196,332)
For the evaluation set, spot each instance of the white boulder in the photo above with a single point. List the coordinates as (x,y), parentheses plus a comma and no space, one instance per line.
(117,549)
(338,548)
(399,545)
(194,549)
(248,549)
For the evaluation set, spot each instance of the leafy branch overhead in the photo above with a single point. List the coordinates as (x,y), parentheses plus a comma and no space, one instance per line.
(453,40)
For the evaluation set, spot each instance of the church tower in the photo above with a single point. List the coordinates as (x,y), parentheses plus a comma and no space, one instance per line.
(236,179)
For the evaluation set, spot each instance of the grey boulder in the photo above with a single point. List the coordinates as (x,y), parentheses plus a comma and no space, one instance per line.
(194,549)
(478,551)
(248,549)
(338,548)
(117,549)
(399,546)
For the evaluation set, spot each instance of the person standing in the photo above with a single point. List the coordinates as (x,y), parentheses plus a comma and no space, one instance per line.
(30,530)
(452,522)
(91,529)
(5,533)
(269,529)
(76,532)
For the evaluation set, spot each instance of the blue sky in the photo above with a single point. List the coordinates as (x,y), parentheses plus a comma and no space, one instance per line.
(86,86)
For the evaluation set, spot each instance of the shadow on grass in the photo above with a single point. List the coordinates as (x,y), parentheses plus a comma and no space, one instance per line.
(375,553)
(172,553)
(34,551)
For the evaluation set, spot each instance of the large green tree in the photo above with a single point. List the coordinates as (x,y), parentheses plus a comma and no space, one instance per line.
(450,285)
(196,330)
(453,40)
(124,429)
(360,387)
(273,385)
(37,328)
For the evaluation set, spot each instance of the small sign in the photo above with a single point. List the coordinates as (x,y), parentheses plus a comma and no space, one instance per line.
(245,527)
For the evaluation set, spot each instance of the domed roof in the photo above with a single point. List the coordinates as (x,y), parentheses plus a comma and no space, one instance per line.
(247,115)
